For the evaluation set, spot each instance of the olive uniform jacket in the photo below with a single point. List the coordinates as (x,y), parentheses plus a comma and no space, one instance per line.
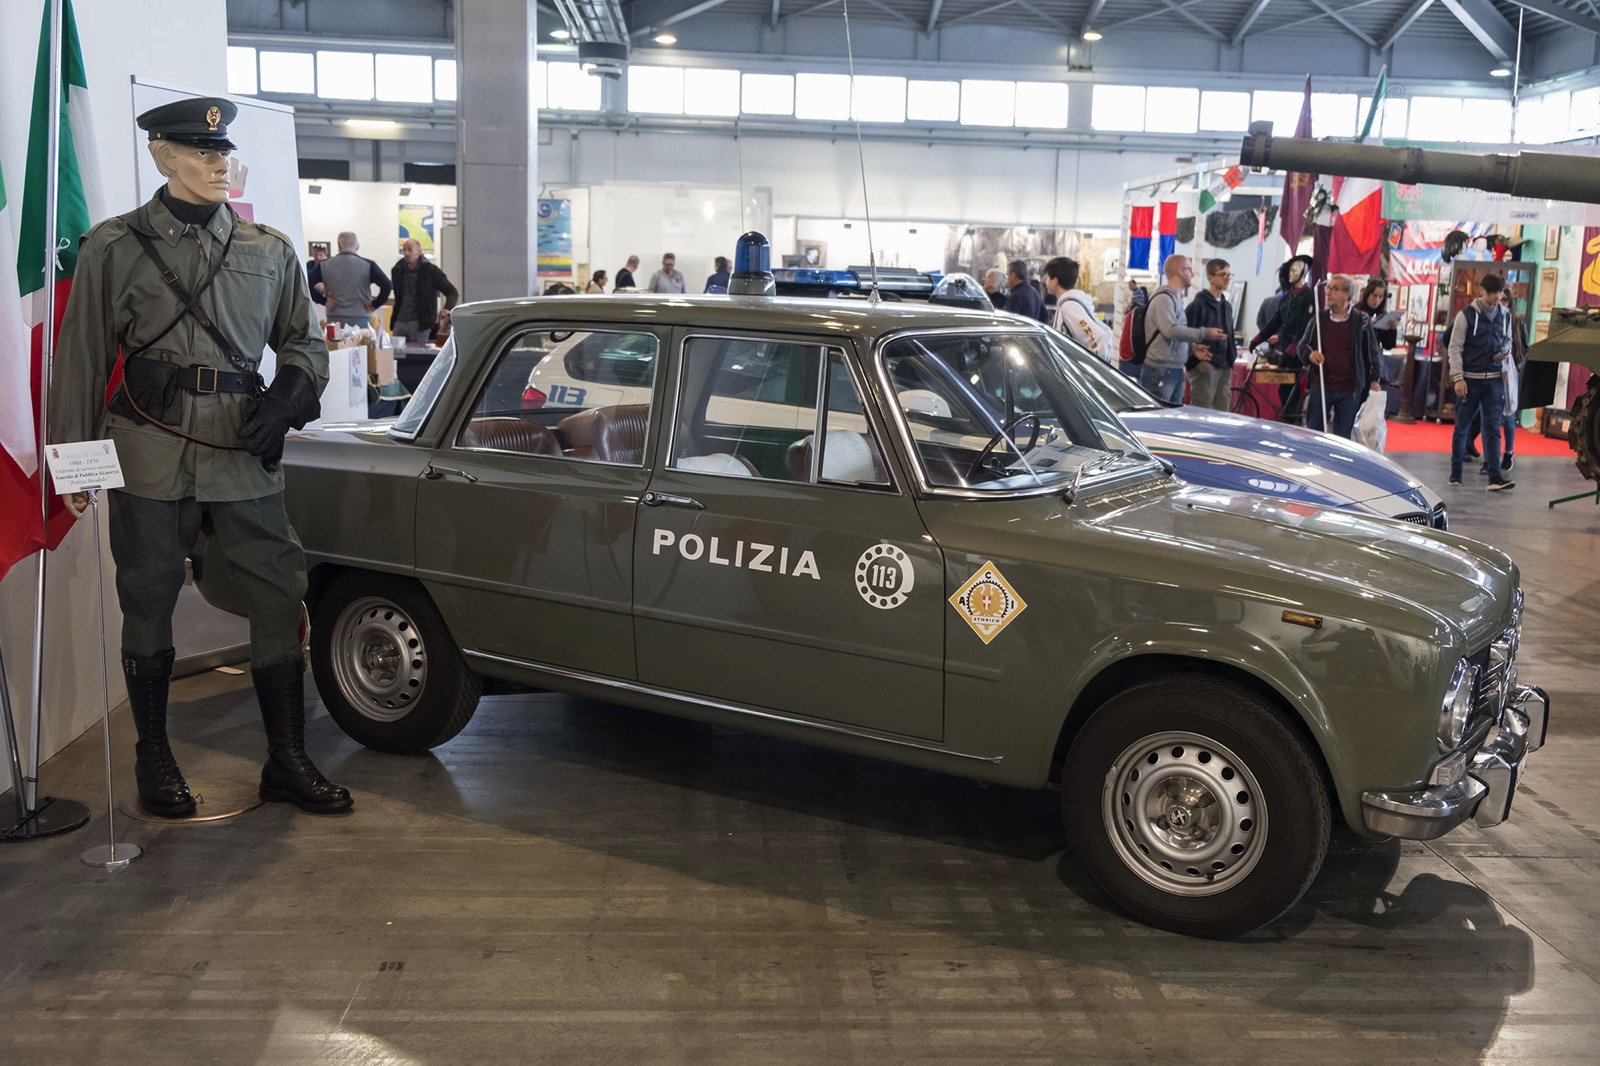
(119,302)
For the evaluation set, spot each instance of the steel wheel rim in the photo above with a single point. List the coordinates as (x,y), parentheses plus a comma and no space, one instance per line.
(379,659)
(1184,813)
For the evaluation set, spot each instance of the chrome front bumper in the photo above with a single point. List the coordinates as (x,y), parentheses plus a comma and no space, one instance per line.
(1483,793)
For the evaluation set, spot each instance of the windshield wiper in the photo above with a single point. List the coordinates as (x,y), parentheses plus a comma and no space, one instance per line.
(1106,461)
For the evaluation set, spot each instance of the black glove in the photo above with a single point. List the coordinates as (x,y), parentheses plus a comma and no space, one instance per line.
(290,403)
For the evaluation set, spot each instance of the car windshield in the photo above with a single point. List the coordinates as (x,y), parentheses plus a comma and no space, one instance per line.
(1003,411)
(1119,392)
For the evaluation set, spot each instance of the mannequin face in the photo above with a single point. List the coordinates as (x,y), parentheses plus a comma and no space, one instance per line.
(1297,272)
(194,175)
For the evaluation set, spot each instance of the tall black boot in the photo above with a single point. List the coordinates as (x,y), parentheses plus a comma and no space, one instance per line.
(289,776)
(162,788)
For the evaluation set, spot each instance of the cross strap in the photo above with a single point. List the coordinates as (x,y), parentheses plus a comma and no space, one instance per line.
(191,304)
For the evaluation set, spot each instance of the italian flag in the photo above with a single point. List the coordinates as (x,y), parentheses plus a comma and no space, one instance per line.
(22,309)
(1355,246)
(1221,185)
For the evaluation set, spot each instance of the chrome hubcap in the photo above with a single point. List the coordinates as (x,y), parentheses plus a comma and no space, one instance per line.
(379,659)
(1184,813)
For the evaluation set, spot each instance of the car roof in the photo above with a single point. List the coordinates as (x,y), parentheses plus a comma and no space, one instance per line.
(850,317)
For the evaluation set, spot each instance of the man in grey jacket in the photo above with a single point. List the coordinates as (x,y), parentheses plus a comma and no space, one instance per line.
(1169,335)
(347,281)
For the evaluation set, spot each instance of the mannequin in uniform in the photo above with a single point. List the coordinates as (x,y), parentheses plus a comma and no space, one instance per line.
(199,436)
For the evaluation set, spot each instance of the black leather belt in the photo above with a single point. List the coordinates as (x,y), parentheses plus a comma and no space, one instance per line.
(198,378)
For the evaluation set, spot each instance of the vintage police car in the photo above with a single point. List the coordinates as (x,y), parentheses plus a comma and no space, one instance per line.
(948,552)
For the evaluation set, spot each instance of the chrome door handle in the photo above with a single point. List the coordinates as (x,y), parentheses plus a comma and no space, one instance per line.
(434,473)
(666,499)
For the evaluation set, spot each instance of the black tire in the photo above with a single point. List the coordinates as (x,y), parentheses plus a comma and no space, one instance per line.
(1245,402)
(1583,433)
(386,666)
(1233,850)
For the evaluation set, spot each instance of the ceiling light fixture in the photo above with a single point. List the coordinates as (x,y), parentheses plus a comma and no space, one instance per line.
(1092,35)
(561,35)
(371,124)
(1500,72)
(665,38)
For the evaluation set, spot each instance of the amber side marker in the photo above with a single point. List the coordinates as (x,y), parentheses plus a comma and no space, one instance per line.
(1310,621)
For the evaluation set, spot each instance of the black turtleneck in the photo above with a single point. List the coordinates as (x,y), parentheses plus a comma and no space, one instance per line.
(185,212)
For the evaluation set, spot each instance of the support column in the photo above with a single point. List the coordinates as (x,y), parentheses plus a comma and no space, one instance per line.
(497,144)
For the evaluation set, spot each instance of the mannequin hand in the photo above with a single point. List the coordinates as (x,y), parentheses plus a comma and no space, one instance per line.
(1316,358)
(1461,387)
(290,403)
(75,502)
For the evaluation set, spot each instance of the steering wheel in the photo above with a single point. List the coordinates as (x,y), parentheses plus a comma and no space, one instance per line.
(1006,431)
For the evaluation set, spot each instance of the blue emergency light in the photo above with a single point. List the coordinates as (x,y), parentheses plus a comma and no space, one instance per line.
(752,267)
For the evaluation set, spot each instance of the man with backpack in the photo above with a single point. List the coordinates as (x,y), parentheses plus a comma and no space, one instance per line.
(1210,368)
(1166,334)
(1074,313)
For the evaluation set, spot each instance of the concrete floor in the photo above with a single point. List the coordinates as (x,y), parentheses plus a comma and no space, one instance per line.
(570,881)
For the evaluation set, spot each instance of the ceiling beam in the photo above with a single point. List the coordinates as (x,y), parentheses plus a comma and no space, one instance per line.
(1407,20)
(891,12)
(1196,19)
(677,17)
(1549,9)
(1158,13)
(1318,16)
(1360,34)
(1249,20)
(812,10)
(1089,19)
(933,14)
(980,13)
(1487,25)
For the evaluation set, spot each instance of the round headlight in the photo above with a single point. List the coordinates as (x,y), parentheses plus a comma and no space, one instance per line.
(1457,708)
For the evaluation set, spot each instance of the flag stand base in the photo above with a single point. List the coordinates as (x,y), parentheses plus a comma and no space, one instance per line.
(52,818)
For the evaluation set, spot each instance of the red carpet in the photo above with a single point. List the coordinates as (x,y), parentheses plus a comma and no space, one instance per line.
(1435,437)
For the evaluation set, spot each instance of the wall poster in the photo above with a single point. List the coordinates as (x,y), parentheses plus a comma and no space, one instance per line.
(1589,269)
(555,238)
(416,223)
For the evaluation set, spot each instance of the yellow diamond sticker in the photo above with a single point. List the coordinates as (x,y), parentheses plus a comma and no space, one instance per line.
(987,602)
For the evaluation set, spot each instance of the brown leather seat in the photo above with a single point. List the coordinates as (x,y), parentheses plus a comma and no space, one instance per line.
(510,435)
(609,434)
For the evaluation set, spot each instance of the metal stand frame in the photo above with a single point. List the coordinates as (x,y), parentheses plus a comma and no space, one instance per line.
(1592,496)
(110,855)
(39,817)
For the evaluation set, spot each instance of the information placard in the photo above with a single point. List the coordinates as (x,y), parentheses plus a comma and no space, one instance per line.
(89,464)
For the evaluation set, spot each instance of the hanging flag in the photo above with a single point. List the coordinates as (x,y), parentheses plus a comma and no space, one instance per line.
(1167,228)
(19,488)
(1356,243)
(1296,186)
(1261,237)
(77,195)
(1221,185)
(1378,95)
(1140,220)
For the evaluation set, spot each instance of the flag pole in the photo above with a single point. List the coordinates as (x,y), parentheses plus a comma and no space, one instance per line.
(46,355)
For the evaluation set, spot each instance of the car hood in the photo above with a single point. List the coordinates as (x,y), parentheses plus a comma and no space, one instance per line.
(1325,560)
(1254,455)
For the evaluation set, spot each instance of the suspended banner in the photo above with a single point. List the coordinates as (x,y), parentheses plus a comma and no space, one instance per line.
(1407,202)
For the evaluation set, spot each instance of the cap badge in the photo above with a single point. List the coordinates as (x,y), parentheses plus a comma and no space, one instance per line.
(213,116)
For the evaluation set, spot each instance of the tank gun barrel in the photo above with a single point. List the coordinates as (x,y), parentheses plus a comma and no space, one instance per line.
(1539,175)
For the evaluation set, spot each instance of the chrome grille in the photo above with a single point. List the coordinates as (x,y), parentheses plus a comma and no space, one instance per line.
(1420,518)
(1497,673)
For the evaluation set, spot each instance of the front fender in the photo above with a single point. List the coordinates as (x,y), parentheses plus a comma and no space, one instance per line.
(1333,679)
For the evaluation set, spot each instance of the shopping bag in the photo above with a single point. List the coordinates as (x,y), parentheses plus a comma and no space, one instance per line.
(1371,429)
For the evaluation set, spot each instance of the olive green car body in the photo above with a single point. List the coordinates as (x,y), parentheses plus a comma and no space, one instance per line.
(542,571)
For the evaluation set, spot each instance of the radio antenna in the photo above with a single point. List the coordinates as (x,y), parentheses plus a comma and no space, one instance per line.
(861,155)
